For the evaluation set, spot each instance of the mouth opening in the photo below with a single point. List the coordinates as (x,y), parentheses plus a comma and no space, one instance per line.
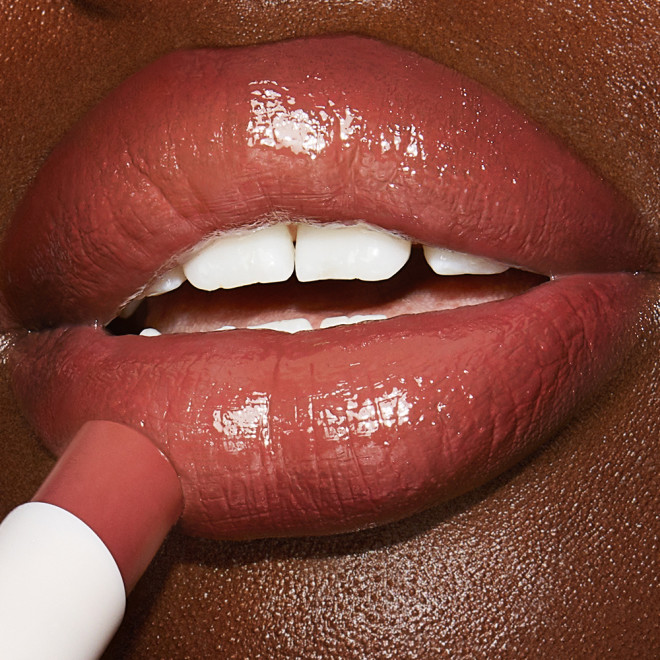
(425,280)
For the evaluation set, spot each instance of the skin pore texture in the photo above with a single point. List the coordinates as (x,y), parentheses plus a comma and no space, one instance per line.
(557,557)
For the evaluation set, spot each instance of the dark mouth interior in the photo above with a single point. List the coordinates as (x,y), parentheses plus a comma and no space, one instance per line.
(413,290)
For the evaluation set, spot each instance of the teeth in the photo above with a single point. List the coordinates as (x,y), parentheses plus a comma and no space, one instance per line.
(169,281)
(261,255)
(335,252)
(349,320)
(449,262)
(330,252)
(289,325)
(150,332)
(130,308)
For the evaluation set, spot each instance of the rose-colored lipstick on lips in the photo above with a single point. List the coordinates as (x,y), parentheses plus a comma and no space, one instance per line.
(329,429)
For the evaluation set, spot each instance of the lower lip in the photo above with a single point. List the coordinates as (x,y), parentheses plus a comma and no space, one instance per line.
(335,430)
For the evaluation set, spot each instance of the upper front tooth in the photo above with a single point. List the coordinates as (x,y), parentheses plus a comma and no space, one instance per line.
(169,281)
(260,255)
(449,262)
(338,252)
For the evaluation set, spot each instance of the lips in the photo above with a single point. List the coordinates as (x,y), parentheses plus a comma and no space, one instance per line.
(337,429)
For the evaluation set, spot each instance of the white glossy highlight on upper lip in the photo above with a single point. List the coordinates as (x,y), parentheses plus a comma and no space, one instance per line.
(339,252)
(449,262)
(277,123)
(265,254)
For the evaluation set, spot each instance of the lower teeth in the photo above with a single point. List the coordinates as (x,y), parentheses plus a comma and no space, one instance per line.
(291,326)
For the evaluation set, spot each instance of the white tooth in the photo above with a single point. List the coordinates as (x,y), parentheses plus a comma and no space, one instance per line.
(289,325)
(335,252)
(225,327)
(260,255)
(450,262)
(150,332)
(332,321)
(168,281)
(128,310)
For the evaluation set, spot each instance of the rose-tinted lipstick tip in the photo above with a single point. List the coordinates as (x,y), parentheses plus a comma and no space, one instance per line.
(116,481)
(68,557)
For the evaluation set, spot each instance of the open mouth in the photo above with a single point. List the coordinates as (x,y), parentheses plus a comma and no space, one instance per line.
(397,285)
(299,277)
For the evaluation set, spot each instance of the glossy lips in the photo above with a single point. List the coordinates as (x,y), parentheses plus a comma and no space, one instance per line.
(337,429)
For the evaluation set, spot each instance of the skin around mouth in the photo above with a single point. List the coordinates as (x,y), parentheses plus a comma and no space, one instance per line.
(344,428)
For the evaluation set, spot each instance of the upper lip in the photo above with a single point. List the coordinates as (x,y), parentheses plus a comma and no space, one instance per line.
(187,147)
(441,160)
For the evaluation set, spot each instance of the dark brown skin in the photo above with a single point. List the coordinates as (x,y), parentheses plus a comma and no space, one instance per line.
(558,558)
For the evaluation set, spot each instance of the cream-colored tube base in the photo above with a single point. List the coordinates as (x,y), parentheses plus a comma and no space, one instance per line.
(62,596)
